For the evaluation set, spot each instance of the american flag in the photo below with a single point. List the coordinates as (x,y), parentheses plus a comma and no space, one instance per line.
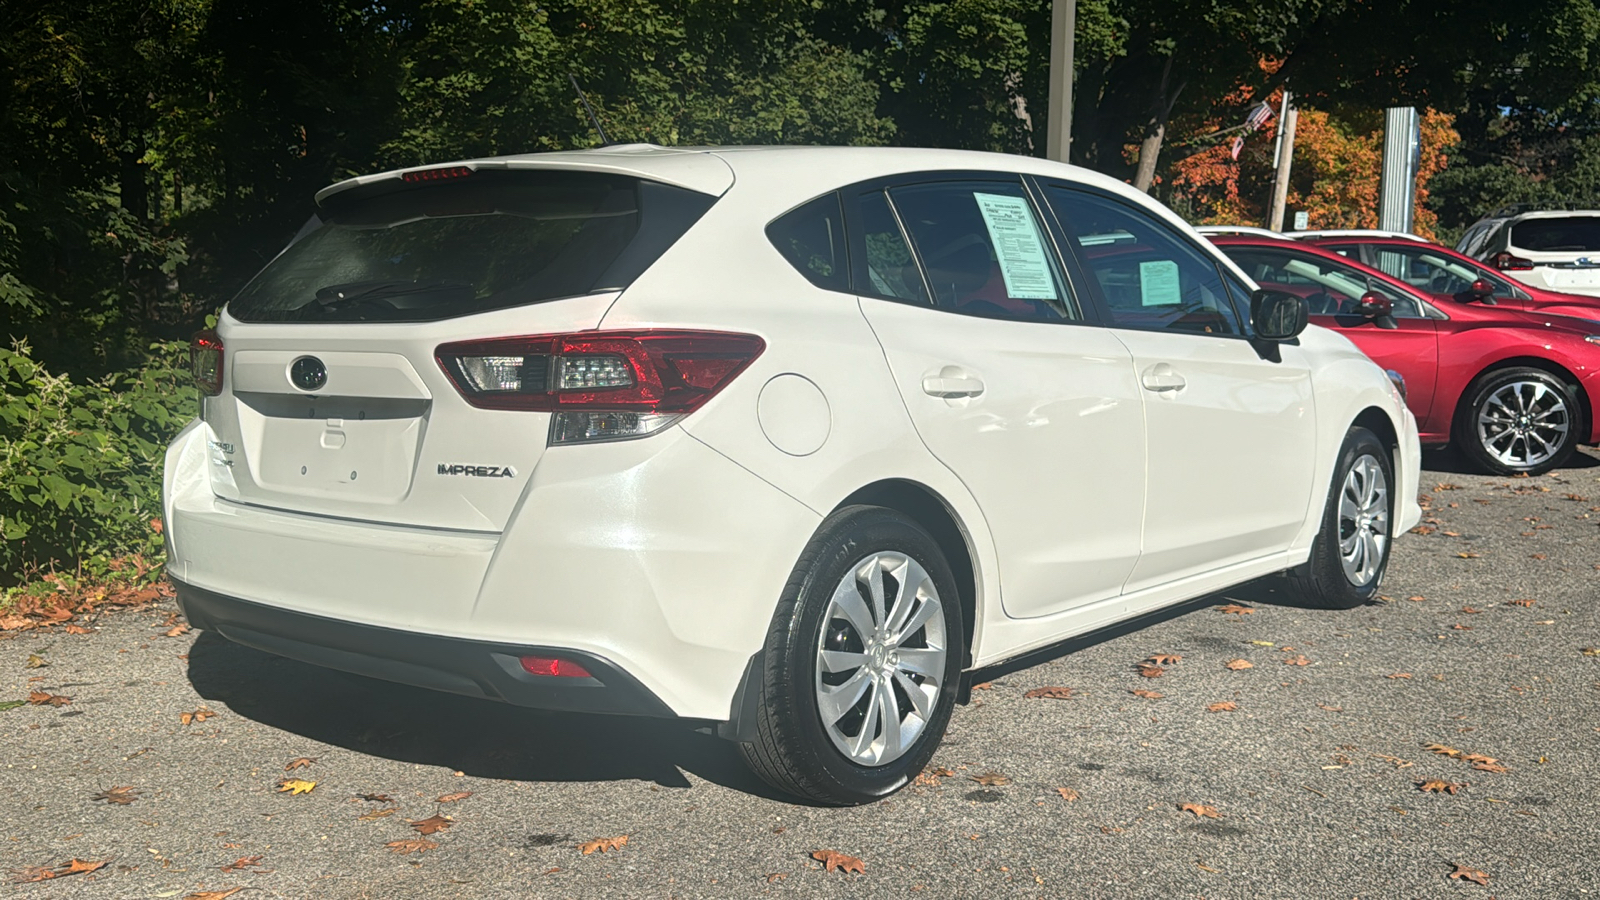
(1238,144)
(1258,117)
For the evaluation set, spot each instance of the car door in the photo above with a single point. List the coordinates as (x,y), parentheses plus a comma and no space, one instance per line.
(1410,348)
(1032,407)
(1231,429)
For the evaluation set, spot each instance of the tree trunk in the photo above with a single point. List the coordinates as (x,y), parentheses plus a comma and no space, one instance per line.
(1155,130)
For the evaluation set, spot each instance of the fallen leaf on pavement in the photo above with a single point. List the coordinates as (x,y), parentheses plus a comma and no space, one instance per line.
(991,779)
(415,845)
(178,630)
(1224,706)
(42,698)
(45,873)
(121,796)
(299,762)
(1049,693)
(603,845)
(1424,529)
(1297,661)
(295,786)
(1590,651)
(1235,609)
(833,859)
(1462,873)
(213,895)
(1148,695)
(1470,611)
(77,629)
(1442,750)
(1068,794)
(451,798)
(1490,767)
(432,824)
(1468,555)
(35,661)
(1151,671)
(376,798)
(1199,809)
(243,862)
(1439,786)
(1398,675)
(1238,664)
(930,777)
(377,814)
(199,715)
(1166,659)
(1523,603)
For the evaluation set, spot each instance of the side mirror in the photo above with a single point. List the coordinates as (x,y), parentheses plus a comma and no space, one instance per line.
(1278,315)
(1377,308)
(1482,291)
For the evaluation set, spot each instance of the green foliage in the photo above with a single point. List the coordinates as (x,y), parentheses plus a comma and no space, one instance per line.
(80,462)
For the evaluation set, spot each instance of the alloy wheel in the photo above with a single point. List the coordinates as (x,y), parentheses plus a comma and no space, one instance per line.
(880,658)
(1363,520)
(1523,423)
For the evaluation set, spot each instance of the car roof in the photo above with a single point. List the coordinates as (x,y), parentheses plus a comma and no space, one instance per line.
(713,170)
(1555,214)
(1209,230)
(1320,233)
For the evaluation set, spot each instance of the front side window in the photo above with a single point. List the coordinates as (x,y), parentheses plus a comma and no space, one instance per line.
(811,238)
(1330,288)
(984,250)
(1150,277)
(1436,273)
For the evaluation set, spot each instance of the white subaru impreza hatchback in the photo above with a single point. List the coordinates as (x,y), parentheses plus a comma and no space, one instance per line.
(785,440)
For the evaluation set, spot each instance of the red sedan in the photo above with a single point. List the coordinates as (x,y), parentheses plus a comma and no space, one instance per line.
(1448,275)
(1514,390)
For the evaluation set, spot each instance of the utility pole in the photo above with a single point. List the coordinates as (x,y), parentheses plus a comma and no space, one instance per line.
(1063,31)
(1280,182)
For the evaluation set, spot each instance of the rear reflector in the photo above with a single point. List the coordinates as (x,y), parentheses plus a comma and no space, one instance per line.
(205,362)
(559,668)
(444,173)
(602,385)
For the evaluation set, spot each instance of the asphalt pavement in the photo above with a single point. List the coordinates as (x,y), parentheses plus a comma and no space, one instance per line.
(1316,776)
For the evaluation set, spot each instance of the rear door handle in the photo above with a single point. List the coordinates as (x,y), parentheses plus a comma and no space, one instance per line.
(952,381)
(1162,377)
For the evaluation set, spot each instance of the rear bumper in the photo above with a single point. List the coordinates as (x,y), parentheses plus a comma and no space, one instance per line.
(472,668)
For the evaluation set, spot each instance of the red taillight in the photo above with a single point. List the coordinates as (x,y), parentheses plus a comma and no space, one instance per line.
(602,385)
(443,173)
(205,362)
(559,668)
(1506,262)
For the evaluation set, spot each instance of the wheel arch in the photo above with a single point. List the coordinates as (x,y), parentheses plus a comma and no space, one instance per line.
(1377,421)
(1585,403)
(927,508)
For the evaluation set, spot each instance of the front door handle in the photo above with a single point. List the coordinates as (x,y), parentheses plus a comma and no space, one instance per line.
(950,382)
(1163,377)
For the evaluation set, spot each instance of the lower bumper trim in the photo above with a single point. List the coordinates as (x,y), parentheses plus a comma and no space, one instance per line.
(471,668)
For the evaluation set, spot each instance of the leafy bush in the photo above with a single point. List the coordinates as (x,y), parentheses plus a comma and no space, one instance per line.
(80,463)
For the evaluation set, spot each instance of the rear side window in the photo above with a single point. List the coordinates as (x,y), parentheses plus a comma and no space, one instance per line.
(812,239)
(891,272)
(1151,278)
(1568,234)
(489,241)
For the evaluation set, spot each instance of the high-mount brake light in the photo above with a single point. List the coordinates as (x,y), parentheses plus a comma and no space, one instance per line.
(553,666)
(1506,262)
(205,362)
(443,173)
(601,385)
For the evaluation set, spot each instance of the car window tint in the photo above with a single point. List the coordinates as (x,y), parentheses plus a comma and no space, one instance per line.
(891,272)
(1329,287)
(984,250)
(811,238)
(1150,276)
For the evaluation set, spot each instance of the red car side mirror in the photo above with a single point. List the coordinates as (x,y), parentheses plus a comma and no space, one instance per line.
(1482,291)
(1378,308)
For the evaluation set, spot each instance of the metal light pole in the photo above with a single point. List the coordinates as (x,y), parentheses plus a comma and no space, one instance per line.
(1063,31)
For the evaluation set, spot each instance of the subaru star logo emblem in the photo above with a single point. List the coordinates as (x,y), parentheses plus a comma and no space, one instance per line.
(308,373)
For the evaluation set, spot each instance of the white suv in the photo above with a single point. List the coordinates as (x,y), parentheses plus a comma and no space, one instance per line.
(786,440)
(1554,250)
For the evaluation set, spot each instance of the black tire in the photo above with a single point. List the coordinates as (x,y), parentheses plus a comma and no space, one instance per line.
(1323,580)
(1550,400)
(793,750)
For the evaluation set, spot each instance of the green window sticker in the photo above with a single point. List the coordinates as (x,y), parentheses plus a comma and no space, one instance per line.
(1158,283)
(1017,246)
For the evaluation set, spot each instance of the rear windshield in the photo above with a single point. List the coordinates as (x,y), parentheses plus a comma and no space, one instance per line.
(488,241)
(1576,234)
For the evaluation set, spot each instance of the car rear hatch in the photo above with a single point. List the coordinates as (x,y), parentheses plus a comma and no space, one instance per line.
(1565,248)
(331,400)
